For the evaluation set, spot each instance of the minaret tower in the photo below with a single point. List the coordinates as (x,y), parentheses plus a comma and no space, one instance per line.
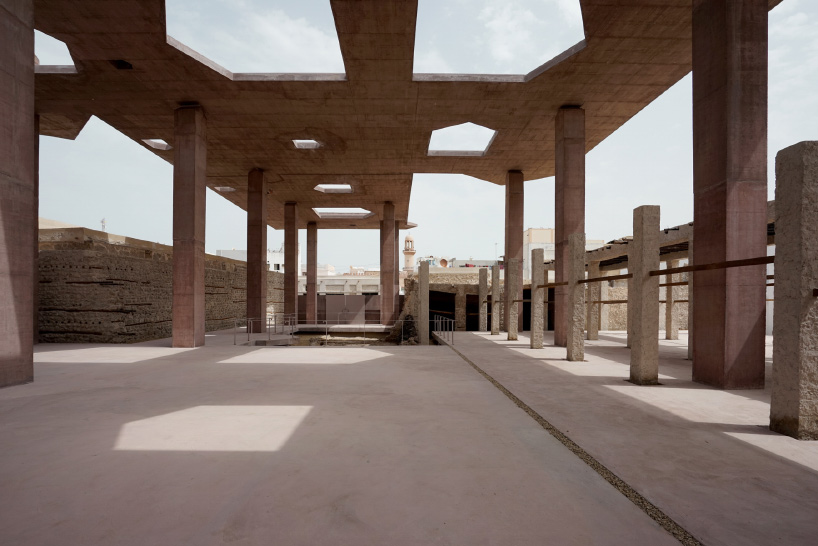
(409,254)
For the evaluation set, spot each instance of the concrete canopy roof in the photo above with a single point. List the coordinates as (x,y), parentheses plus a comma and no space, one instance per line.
(374,121)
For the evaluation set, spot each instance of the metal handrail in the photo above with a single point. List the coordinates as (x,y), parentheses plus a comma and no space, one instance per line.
(444,328)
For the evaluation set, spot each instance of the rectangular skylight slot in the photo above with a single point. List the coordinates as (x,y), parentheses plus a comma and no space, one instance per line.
(224,189)
(342,213)
(334,188)
(157,144)
(306,144)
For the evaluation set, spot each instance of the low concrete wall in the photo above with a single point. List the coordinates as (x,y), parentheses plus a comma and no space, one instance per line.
(105,288)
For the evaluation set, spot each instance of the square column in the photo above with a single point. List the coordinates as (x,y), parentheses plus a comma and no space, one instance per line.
(513,284)
(537,297)
(594,295)
(389,250)
(257,250)
(794,406)
(460,308)
(575,309)
(730,190)
(604,310)
(312,273)
(569,201)
(671,308)
(423,303)
(496,299)
(482,296)
(643,296)
(515,201)
(291,265)
(189,185)
(690,301)
(18,194)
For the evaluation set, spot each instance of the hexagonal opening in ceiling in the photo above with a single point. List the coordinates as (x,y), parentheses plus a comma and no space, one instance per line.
(333,188)
(157,144)
(306,144)
(51,51)
(259,36)
(490,37)
(466,139)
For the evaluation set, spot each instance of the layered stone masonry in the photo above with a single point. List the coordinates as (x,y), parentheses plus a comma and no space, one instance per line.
(103,288)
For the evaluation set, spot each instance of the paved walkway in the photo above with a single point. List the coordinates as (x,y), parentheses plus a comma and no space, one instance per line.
(705,457)
(149,445)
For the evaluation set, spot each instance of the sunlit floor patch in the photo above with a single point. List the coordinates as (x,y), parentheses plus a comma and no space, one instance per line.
(308,355)
(214,428)
(115,354)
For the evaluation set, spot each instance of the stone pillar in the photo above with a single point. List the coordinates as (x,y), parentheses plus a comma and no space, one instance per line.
(36,220)
(569,189)
(388,264)
(256,250)
(18,194)
(513,283)
(423,302)
(537,297)
(496,298)
(730,189)
(690,301)
(189,185)
(515,201)
(291,265)
(482,296)
(671,308)
(794,406)
(603,308)
(630,307)
(643,296)
(312,273)
(594,295)
(460,308)
(575,308)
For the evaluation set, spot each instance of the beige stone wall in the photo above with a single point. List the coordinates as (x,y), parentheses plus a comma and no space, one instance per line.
(98,287)
(618,313)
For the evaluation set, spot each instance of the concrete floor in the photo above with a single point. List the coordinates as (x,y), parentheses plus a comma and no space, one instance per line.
(145,444)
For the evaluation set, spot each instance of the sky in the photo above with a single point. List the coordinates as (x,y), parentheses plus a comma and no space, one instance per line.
(103,174)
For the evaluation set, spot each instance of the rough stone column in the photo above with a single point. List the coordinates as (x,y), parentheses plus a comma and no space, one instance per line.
(630,307)
(36,220)
(513,281)
(460,308)
(537,297)
(794,406)
(690,301)
(189,185)
(312,273)
(423,303)
(575,309)
(291,265)
(603,308)
(730,189)
(388,264)
(671,308)
(18,193)
(495,300)
(515,201)
(257,250)
(396,307)
(643,295)
(594,295)
(569,190)
(482,296)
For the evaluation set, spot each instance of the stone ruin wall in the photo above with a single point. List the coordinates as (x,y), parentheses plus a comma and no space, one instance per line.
(101,288)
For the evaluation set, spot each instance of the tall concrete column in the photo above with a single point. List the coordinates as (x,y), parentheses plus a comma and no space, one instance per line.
(690,301)
(794,406)
(388,264)
(189,185)
(603,307)
(423,302)
(575,301)
(460,308)
(729,189)
(396,308)
(36,220)
(537,298)
(312,273)
(482,296)
(257,250)
(291,265)
(18,193)
(630,307)
(594,295)
(671,307)
(513,283)
(643,296)
(569,191)
(515,201)
(496,298)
